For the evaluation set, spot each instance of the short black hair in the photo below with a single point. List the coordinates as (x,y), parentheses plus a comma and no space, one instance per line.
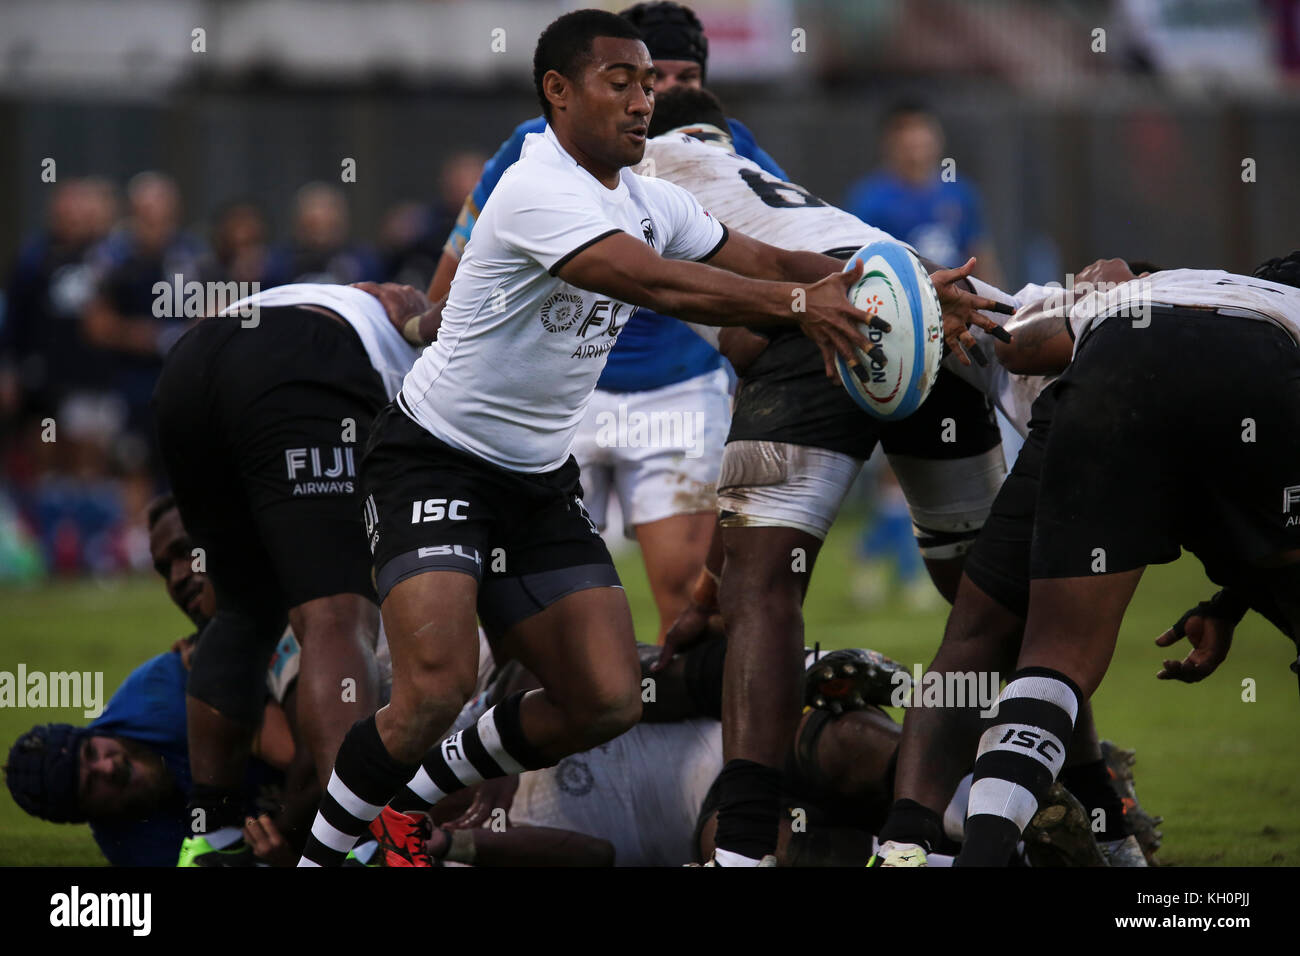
(907,109)
(565,45)
(1284,270)
(682,106)
(159,507)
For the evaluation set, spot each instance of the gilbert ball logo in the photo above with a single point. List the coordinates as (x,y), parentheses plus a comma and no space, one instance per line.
(560,311)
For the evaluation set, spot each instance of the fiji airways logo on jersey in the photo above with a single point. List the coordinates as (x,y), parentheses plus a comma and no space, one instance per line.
(336,467)
(1291,496)
(599,326)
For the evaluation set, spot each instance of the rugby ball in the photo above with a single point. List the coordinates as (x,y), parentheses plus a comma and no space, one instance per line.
(895,287)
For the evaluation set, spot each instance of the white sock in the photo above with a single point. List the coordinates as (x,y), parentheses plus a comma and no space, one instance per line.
(728,858)
(225,836)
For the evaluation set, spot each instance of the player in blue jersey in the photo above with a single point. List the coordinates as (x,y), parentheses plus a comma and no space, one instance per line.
(661,371)
(127,774)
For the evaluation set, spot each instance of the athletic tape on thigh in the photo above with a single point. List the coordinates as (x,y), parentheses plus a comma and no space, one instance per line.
(949,500)
(779,485)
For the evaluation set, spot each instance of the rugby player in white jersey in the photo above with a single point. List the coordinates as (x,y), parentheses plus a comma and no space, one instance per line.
(797,443)
(1176,422)
(468,477)
(653,434)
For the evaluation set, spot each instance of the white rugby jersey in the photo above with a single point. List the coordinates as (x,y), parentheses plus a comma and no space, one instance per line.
(1234,296)
(519,350)
(390,354)
(641,791)
(751,200)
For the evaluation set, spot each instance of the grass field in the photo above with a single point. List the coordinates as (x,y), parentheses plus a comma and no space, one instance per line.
(1224,773)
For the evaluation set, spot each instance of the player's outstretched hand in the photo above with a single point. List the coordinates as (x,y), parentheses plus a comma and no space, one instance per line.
(495,794)
(1211,639)
(404,305)
(690,628)
(831,320)
(962,309)
(267,843)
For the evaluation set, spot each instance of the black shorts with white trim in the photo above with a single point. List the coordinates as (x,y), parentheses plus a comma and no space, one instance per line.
(526,538)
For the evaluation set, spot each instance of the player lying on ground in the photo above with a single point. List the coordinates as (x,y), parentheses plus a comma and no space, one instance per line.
(468,476)
(128,773)
(261,415)
(1106,490)
(648,794)
(797,443)
(665,488)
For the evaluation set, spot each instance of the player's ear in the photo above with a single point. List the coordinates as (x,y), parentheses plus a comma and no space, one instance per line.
(556,86)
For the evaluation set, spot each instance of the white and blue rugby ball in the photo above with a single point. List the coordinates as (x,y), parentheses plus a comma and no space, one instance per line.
(895,287)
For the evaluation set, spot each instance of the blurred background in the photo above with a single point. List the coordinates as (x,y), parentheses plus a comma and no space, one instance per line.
(211,138)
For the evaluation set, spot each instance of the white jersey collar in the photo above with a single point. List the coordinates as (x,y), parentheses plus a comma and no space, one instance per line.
(617,194)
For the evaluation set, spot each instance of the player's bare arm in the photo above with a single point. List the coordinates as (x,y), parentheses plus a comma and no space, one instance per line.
(1042,344)
(410,310)
(440,284)
(627,269)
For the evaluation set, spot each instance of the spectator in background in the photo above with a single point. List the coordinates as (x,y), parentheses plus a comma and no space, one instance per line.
(408,244)
(43,360)
(131,328)
(239,244)
(62,509)
(320,250)
(121,320)
(412,234)
(911,199)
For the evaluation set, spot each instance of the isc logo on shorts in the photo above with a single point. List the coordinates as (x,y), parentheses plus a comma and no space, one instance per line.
(435,509)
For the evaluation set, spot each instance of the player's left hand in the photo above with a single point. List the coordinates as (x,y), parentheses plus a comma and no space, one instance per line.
(491,795)
(267,843)
(962,309)
(1211,639)
(186,647)
(402,303)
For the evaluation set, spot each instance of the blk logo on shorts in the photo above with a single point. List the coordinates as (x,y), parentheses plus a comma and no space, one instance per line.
(451,551)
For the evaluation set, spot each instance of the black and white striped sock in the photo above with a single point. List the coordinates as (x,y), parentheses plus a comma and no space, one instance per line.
(365,775)
(1020,753)
(494,747)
